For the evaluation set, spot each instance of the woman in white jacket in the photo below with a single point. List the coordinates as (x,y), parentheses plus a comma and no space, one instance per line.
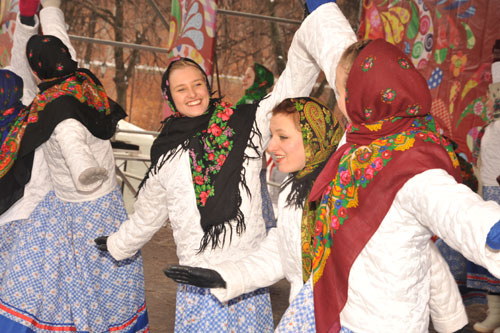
(51,277)
(383,195)
(175,192)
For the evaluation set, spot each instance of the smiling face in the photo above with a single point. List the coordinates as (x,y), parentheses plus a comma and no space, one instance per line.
(286,143)
(248,78)
(189,91)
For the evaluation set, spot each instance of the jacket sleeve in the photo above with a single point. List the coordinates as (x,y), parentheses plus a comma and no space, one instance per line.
(71,137)
(445,304)
(150,214)
(454,213)
(259,269)
(18,61)
(316,46)
(52,21)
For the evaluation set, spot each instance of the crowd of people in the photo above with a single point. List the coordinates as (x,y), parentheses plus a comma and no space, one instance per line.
(355,219)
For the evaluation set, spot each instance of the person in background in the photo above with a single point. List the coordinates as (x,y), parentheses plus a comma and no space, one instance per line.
(489,168)
(257,82)
(51,277)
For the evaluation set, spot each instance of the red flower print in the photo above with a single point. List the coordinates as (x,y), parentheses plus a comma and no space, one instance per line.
(211,157)
(226,144)
(379,164)
(433,137)
(198,180)
(342,212)
(8,112)
(198,168)
(335,222)
(357,173)
(204,197)
(221,159)
(369,173)
(226,114)
(421,135)
(215,130)
(345,177)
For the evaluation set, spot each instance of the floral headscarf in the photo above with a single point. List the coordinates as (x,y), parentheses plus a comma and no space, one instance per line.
(264,79)
(11,92)
(321,133)
(49,58)
(391,139)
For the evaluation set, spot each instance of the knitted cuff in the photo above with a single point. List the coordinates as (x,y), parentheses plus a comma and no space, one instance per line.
(51,3)
(27,20)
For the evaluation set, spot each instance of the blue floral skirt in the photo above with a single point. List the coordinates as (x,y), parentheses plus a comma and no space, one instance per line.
(53,277)
(479,277)
(197,310)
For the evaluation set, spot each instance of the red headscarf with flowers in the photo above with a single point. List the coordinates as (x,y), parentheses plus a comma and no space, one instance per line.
(392,138)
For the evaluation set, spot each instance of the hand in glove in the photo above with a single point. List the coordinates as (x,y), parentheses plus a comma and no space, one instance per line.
(196,276)
(493,238)
(313,4)
(101,243)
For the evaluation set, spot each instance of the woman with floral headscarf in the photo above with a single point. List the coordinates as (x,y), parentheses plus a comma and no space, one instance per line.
(205,176)
(256,81)
(383,194)
(53,279)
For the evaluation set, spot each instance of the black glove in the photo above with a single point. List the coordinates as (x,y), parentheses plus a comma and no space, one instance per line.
(498,180)
(196,276)
(101,243)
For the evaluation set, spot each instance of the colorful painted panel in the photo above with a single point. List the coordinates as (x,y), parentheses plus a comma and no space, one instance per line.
(192,31)
(8,12)
(450,42)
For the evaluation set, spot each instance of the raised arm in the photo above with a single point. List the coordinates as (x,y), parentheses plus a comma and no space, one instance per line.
(317,46)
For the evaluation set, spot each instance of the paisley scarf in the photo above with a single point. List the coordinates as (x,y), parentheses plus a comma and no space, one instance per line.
(216,141)
(264,79)
(321,133)
(392,138)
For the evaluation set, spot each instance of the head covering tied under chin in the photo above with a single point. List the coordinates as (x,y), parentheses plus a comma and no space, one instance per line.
(392,139)
(165,84)
(49,58)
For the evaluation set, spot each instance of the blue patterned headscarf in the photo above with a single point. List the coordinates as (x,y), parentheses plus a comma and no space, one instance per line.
(11,92)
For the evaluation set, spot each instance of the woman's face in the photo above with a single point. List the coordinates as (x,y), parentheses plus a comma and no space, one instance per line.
(340,80)
(248,78)
(189,91)
(286,144)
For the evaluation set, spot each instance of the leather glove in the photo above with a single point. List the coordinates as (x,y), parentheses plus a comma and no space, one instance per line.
(498,180)
(101,243)
(493,238)
(196,276)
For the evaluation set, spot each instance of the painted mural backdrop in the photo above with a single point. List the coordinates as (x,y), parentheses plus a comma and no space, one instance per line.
(450,42)
(8,12)
(192,31)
